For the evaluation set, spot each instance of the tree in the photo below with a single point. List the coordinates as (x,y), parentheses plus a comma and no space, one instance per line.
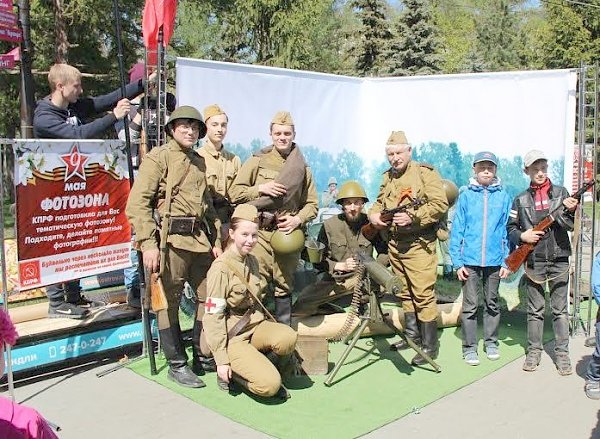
(373,36)
(497,35)
(415,47)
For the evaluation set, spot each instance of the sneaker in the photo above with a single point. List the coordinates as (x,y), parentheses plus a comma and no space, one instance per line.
(563,364)
(492,352)
(471,358)
(68,311)
(592,389)
(88,304)
(532,360)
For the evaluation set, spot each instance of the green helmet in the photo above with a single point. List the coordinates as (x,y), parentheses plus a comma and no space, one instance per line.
(451,191)
(351,189)
(186,112)
(286,243)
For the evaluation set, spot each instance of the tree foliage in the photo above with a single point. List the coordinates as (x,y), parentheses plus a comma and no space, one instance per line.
(415,46)
(373,37)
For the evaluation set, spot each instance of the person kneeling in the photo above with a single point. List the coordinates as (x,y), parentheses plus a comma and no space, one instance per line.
(247,347)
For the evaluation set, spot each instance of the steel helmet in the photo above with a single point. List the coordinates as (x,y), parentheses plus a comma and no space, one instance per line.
(451,191)
(286,243)
(351,189)
(186,112)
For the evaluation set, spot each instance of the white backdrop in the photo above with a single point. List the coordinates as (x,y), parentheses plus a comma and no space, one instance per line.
(508,112)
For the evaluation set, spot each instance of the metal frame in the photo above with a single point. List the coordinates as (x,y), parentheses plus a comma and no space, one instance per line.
(587,118)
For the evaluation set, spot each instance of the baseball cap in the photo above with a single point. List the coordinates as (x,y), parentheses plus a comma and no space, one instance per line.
(533,156)
(485,156)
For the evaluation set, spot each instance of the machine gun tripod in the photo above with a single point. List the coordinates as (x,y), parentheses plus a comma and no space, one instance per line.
(371,311)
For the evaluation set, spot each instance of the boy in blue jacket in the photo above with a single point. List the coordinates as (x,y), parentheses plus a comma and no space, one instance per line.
(592,376)
(478,247)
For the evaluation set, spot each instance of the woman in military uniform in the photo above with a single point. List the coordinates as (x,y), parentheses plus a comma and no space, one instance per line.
(238,333)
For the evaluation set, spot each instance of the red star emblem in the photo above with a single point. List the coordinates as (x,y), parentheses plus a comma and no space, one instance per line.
(75,162)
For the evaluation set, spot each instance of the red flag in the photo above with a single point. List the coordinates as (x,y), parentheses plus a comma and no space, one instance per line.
(158,13)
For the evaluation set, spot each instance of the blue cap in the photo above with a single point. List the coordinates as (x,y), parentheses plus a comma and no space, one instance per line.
(485,156)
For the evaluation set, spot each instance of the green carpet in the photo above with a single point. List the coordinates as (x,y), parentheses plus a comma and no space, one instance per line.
(370,390)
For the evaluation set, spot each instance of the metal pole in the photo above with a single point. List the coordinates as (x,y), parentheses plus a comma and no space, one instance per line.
(27,85)
(595,110)
(9,371)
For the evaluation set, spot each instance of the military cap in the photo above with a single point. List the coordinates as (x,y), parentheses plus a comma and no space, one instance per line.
(533,156)
(397,138)
(283,118)
(332,180)
(212,110)
(485,156)
(246,212)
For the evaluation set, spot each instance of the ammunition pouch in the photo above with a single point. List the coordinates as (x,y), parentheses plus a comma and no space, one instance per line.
(184,225)
(267,221)
(441,230)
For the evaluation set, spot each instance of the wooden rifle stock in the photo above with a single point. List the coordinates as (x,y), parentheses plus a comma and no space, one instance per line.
(520,254)
(369,231)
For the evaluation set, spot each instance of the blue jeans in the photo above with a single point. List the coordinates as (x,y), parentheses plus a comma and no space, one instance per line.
(593,369)
(489,278)
(131,274)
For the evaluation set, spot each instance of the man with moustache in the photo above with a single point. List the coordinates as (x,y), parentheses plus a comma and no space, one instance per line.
(412,236)
(278,182)
(341,235)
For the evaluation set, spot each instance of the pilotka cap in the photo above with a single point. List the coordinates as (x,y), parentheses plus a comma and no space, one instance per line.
(212,110)
(397,138)
(246,212)
(283,118)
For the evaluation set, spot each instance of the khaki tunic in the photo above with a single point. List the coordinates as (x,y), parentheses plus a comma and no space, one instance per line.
(187,257)
(412,249)
(221,169)
(260,169)
(244,352)
(193,198)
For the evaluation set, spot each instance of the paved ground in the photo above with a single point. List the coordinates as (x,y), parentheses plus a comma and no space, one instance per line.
(509,403)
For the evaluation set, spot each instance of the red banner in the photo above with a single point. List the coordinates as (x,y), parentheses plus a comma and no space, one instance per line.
(10,34)
(7,62)
(158,13)
(8,18)
(71,199)
(6,5)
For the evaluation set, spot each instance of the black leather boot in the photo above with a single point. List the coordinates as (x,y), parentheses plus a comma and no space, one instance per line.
(411,330)
(430,343)
(200,363)
(283,310)
(179,371)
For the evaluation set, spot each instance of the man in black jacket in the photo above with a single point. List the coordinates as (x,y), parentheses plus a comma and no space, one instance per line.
(549,261)
(62,115)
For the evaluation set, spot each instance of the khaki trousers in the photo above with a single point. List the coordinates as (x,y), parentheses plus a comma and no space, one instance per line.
(277,269)
(415,262)
(180,266)
(247,359)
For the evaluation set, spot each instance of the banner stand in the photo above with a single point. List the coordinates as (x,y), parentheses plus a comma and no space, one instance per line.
(9,372)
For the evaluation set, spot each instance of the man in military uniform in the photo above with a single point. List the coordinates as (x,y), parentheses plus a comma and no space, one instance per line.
(412,238)
(329,197)
(341,235)
(279,183)
(221,165)
(172,182)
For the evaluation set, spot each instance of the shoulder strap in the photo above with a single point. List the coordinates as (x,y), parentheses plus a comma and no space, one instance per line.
(240,276)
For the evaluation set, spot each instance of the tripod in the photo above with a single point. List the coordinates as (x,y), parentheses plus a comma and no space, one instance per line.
(374,314)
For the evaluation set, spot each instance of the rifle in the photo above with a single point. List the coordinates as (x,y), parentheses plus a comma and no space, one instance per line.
(520,254)
(369,231)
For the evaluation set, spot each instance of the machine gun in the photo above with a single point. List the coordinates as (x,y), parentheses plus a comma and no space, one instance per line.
(520,254)
(369,231)
(365,305)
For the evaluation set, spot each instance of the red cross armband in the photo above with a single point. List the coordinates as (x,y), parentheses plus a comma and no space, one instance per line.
(214,305)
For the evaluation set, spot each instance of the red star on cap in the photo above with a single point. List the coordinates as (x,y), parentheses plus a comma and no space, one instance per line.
(75,162)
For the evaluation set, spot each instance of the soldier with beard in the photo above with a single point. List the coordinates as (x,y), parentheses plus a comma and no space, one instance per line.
(341,235)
